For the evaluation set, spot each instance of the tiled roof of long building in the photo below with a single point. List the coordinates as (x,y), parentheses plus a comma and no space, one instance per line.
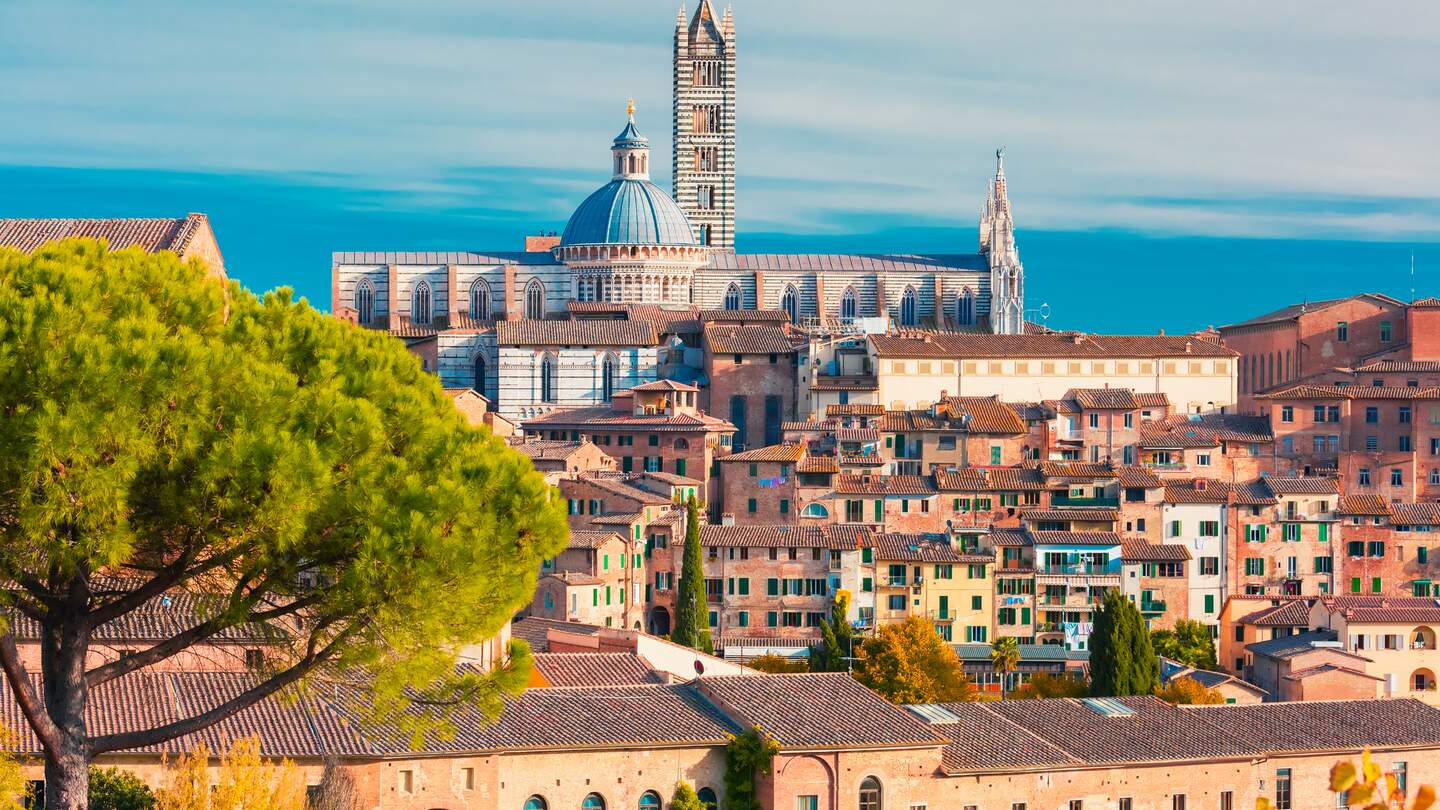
(150,235)
(867,262)
(966,345)
(576,333)
(747,340)
(771,453)
(595,669)
(605,417)
(785,536)
(884,485)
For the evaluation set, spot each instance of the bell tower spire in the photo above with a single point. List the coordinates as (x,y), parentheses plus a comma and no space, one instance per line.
(703,168)
(997,242)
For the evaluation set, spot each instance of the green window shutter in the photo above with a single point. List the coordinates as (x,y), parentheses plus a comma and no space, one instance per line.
(995,454)
(744,618)
(772,587)
(754,470)
(977,602)
(867,584)
(770,619)
(944,607)
(956,507)
(1209,603)
(1024,615)
(751,505)
(604,562)
(1324,532)
(730,585)
(1355,584)
(1375,584)
(867,555)
(744,586)
(679,466)
(607,594)
(880,511)
(595,598)
(784,506)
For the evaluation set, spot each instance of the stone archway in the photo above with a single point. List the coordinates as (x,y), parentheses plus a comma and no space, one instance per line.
(660,621)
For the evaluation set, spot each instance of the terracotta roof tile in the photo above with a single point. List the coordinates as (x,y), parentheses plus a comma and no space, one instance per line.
(1109,399)
(1077,469)
(1059,344)
(781,453)
(1200,490)
(820,710)
(1415,514)
(854,409)
(1302,486)
(582,538)
(981,740)
(1012,479)
(852,382)
(1049,538)
(986,415)
(818,464)
(884,485)
(150,235)
(1291,613)
(1364,503)
(782,536)
(1137,478)
(595,669)
(536,631)
(1401,366)
(605,417)
(922,548)
(576,333)
(1107,515)
(1361,392)
(1136,549)
(747,340)
(1325,725)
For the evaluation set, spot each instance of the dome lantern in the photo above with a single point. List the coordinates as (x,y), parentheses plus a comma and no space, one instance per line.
(631,150)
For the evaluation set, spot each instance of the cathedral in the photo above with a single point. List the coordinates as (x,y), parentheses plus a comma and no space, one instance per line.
(631,243)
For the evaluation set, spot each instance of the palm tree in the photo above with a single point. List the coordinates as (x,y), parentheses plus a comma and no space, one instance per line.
(1005,657)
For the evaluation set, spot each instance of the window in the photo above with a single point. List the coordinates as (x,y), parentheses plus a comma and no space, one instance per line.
(870,794)
(732,297)
(1287,413)
(1227,800)
(1177,802)
(1094,420)
(1254,567)
(1126,803)
(535,305)
(593,802)
(1364,476)
(407,781)
(1372,415)
(420,309)
(254,659)
(1077,804)
(548,378)
(790,302)
(965,308)
(1385,331)
(908,306)
(705,197)
(1399,769)
(1209,528)
(847,303)
(751,506)
(1404,414)
(707,798)
(1342,331)
(536,803)
(650,800)
(607,378)
(1397,477)
(479,300)
(364,302)
(807,803)
(1283,790)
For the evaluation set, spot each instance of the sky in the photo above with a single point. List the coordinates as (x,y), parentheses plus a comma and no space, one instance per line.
(1171,166)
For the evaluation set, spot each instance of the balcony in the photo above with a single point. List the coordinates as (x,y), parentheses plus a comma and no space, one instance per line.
(1075,601)
(1152,606)
(1098,569)
(1061,501)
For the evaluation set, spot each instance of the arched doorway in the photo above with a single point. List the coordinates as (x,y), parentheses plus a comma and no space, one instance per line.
(660,621)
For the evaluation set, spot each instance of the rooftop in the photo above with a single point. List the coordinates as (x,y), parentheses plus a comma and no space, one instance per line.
(1059,344)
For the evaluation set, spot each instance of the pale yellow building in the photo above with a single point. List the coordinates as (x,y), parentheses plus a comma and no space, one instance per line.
(912,371)
(1397,634)
(929,576)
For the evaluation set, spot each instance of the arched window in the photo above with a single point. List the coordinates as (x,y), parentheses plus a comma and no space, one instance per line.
(870,794)
(479,373)
(365,302)
(480,300)
(965,308)
(705,235)
(732,297)
(420,311)
(707,798)
(593,802)
(536,803)
(547,378)
(790,302)
(608,368)
(682,443)
(847,303)
(534,300)
(815,510)
(650,800)
(907,307)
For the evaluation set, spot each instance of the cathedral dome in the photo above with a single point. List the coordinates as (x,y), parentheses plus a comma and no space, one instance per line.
(629,210)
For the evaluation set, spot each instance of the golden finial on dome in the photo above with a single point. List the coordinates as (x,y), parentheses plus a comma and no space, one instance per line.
(630,108)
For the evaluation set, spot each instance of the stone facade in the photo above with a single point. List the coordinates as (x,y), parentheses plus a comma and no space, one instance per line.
(703,138)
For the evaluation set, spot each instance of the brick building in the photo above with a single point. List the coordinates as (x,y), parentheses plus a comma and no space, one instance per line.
(190,237)
(752,375)
(938,579)
(597,579)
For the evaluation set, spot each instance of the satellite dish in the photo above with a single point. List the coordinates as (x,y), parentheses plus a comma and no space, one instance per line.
(699,667)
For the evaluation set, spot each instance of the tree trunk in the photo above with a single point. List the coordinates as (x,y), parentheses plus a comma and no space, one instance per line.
(67,778)
(65,646)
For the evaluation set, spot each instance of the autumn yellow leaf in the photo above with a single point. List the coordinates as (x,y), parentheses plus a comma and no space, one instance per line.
(1342,776)
(1424,798)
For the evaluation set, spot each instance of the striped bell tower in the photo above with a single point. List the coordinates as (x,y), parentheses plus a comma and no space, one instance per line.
(703,169)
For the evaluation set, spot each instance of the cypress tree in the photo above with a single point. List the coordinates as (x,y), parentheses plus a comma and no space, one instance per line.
(1122,659)
(692,625)
(837,638)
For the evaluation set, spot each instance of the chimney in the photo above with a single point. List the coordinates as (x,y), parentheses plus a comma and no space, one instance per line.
(1200,484)
(1161,333)
(1187,347)
(541,243)
(1077,338)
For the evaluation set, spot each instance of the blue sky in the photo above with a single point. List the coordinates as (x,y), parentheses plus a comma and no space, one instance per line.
(1211,160)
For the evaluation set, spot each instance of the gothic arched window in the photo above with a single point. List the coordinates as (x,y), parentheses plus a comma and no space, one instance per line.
(790,302)
(705,234)
(364,302)
(965,308)
(548,375)
(479,384)
(848,303)
(907,307)
(479,300)
(534,300)
(732,297)
(608,368)
(420,310)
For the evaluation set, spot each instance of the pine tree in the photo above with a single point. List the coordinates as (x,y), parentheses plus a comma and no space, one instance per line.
(1122,660)
(837,638)
(692,626)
